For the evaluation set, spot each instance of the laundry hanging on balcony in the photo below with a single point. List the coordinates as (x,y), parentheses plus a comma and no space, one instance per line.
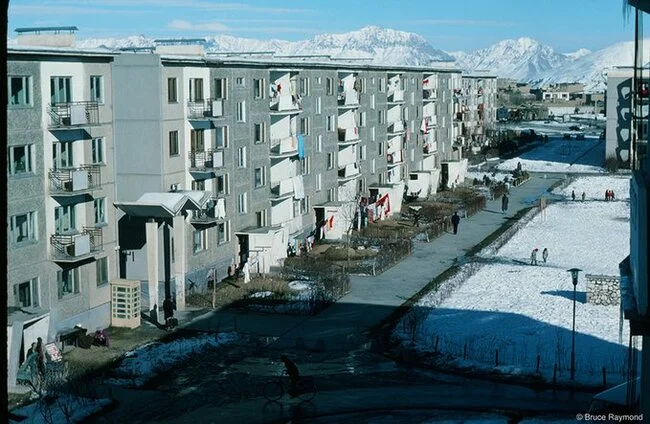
(301,146)
(298,187)
(220,209)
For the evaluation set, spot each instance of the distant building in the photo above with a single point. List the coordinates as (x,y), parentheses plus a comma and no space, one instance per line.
(474,109)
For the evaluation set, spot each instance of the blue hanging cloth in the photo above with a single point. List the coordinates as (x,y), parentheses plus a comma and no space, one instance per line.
(301,146)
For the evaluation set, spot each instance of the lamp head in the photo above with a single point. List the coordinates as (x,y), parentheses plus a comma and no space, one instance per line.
(574,275)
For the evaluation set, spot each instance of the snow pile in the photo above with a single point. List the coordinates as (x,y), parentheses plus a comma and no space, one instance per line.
(140,365)
(594,187)
(525,311)
(78,408)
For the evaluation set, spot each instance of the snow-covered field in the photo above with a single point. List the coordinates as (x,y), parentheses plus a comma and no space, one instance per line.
(76,409)
(143,363)
(558,155)
(594,187)
(525,311)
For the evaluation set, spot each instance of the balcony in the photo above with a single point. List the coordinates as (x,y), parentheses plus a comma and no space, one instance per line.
(285,103)
(348,99)
(283,147)
(429,95)
(348,136)
(430,83)
(76,247)
(206,160)
(395,158)
(204,109)
(430,148)
(214,212)
(395,96)
(429,122)
(73,115)
(75,181)
(282,189)
(349,172)
(396,127)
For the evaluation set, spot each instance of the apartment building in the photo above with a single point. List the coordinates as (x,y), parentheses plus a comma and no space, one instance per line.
(169,166)
(61,187)
(475,106)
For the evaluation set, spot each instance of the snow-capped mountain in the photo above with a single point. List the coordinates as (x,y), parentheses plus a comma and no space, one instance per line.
(577,54)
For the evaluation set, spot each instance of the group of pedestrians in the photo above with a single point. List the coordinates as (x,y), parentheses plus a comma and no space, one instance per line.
(533,256)
(609,194)
(573,195)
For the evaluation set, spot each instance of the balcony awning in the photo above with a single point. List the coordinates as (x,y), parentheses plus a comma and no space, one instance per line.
(164,205)
(258,230)
(24,315)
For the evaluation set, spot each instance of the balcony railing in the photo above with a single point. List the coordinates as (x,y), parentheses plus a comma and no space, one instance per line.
(348,134)
(431,94)
(350,170)
(286,103)
(76,180)
(429,84)
(73,114)
(206,159)
(396,127)
(75,247)
(205,109)
(348,98)
(284,145)
(283,188)
(430,147)
(395,158)
(214,212)
(396,95)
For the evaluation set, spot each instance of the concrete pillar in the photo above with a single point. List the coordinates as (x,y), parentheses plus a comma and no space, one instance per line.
(152,262)
(179,260)
(644,387)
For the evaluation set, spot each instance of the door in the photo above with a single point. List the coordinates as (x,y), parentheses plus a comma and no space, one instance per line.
(33,330)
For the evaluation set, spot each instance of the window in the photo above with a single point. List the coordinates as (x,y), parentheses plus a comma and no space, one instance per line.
(319,143)
(373,167)
(412,155)
(196,89)
(198,185)
(373,133)
(381,148)
(67,282)
(20,91)
(301,207)
(99,207)
(221,88)
(197,141)
(62,155)
(331,195)
(97,88)
(222,184)
(372,101)
(304,87)
(412,98)
(319,182)
(260,133)
(97,145)
(241,111)
(26,294)
(258,88)
(260,177)
(102,271)
(60,90)
(223,232)
(319,105)
(382,85)
(240,82)
(329,86)
(173,143)
(23,227)
(242,203)
(261,218)
(405,114)
(172,90)
(21,159)
(330,160)
(221,140)
(305,125)
(200,241)
(319,80)
(362,152)
(241,157)
(329,124)
(305,165)
(64,219)
(380,116)
(362,119)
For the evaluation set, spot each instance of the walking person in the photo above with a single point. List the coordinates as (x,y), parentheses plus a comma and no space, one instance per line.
(168,311)
(607,194)
(246,269)
(533,256)
(455,220)
(291,370)
(40,352)
(611,195)
(573,195)
(544,254)
(583,197)
(504,203)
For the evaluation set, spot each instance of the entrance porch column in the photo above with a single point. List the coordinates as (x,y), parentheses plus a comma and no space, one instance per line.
(179,260)
(152,262)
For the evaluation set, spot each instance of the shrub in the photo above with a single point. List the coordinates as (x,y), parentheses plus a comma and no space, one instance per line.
(611,164)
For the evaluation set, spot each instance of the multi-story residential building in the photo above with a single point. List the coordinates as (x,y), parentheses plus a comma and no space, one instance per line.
(196,162)
(475,109)
(61,188)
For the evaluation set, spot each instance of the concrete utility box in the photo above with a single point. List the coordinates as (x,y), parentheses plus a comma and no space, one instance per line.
(125,303)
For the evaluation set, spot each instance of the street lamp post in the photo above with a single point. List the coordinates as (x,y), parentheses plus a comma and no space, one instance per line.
(574,279)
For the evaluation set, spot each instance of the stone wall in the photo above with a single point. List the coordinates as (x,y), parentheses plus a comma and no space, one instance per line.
(603,290)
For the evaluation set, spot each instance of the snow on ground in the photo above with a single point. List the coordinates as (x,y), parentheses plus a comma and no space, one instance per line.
(78,408)
(499,176)
(525,310)
(558,155)
(143,363)
(594,187)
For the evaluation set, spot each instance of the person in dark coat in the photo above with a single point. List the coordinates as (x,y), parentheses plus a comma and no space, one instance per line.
(455,220)
(168,309)
(533,256)
(504,203)
(544,254)
(40,352)
(294,375)
(573,195)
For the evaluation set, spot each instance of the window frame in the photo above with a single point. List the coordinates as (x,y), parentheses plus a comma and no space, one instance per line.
(67,221)
(200,245)
(26,83)
(99,211)
(226,232)
(97,93)
(32,290)
(330,160)
(174,147)
(226,185)
(259,85)
(242,203)
(101,270)
(97,148)
(67,89)
(242,157)
(73,273)
(31,222)
(172,90)
(29,159)
(241,111)
(261,181)
(259,129)
(224,131)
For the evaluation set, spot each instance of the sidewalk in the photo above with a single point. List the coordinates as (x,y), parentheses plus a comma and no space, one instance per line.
(374,298)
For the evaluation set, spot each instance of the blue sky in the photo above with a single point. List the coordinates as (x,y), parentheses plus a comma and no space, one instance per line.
(450,25)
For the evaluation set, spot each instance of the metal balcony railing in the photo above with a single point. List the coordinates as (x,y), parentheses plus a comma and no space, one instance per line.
(73,114)
(75,247)
(205,109)
(75,180)
(206,159)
